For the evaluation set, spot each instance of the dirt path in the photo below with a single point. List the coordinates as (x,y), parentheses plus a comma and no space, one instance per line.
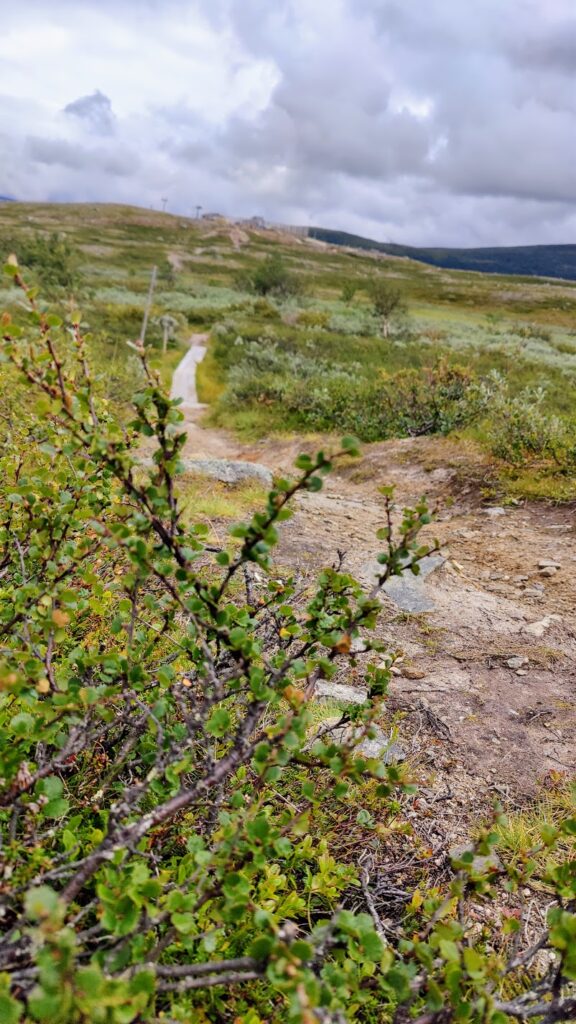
(202,443)
(488,678)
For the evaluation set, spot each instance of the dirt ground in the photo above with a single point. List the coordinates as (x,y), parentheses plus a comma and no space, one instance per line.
(486,688)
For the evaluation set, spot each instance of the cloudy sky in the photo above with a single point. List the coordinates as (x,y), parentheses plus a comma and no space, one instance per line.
(418,121)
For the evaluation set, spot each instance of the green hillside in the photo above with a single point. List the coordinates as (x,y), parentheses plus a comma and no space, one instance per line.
(311,357)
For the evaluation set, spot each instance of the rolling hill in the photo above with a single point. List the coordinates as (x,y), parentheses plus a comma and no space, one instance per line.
(525,260)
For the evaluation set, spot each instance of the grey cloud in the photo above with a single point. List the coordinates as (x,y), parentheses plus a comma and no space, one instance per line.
(65,154)
(95,111)
(431,123)
(553,51)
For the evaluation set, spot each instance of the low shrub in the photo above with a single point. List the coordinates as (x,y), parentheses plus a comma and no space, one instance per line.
(313,318)
(49,256)
(316,394)
(521,430)
(272,277)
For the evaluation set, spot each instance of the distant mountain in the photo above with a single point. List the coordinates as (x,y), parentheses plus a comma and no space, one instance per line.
(7,199)
(531,260)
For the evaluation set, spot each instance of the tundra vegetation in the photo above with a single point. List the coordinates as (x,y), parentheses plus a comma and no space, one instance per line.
(172,814)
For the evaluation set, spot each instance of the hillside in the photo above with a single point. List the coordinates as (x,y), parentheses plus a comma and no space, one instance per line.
(266,691)
(522,260)
(315,356)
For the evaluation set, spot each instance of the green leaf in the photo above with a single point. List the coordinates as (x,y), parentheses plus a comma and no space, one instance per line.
(10,1010)
(219,722)
(51,787)
(41,903)
(449,950)
(372,944)
(473,963)
(56,808)
(303,950)
(184,923)
(261,947)
(22,724)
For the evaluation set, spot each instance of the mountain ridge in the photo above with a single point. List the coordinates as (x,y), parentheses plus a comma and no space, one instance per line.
(556,261)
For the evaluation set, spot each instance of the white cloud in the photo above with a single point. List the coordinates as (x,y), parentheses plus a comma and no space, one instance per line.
(437,123)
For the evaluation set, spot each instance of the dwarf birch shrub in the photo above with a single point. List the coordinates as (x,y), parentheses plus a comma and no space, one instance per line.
(521,430)
(159,782)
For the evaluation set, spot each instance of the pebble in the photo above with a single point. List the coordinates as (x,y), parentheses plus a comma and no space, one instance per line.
(549,571)
(411,672)
(516,662)
(521,672)
(549,563)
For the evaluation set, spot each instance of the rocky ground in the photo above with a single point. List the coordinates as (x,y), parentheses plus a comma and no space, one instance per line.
(485,688)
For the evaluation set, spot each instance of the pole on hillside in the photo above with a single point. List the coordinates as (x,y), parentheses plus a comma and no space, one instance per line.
(148,306)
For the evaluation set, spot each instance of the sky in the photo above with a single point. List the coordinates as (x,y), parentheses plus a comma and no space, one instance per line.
(425,122)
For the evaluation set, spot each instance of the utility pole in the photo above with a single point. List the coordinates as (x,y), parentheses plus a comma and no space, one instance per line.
(164,205)
(148,306)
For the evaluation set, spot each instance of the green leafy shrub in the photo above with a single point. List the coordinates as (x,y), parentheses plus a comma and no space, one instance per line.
(49,256)
(521,429)
(349,289)
(272,277)
(315,394)
(316,319)
(160,785)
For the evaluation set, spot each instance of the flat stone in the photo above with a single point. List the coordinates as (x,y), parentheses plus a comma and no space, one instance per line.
(230,471)
(539,628)
(549,571)
(340,692)
(549,563)
(409,592)
(495,510)
(381,746)
(411,672)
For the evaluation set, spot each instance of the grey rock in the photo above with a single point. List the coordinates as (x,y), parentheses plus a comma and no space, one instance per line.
(549,563)
(380,746)
(480,864)
(409,592)
(494,511)
(516,662)
(340,692)
(549,571)
(230,471)
(539,628)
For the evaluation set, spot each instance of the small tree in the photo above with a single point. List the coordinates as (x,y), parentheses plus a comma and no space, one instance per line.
(349,289)
(272,277)
(387,302)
